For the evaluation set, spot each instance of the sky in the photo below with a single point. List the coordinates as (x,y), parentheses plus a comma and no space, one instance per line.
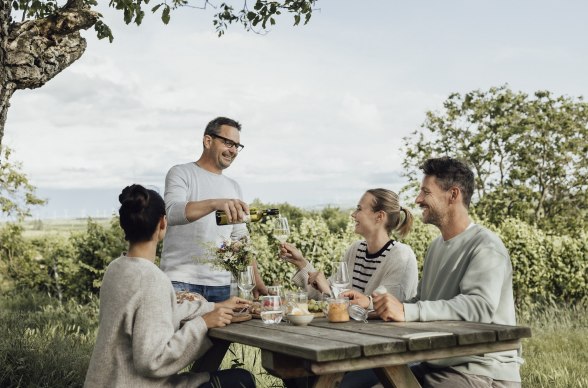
(324,107)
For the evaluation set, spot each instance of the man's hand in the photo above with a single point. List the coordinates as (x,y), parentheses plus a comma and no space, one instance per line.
(219,317)
(356,297)
(234,208)
(388,307)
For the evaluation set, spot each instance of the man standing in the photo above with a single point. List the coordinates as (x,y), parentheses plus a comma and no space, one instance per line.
(193,192)
(467,275)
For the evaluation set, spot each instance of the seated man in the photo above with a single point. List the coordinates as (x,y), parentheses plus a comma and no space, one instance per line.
(467,275)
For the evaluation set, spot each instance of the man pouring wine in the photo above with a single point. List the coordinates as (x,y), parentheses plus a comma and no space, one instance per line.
(193,193)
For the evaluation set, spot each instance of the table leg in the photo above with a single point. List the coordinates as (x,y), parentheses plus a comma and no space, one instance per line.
(397,376)
(211,360)
(328,381)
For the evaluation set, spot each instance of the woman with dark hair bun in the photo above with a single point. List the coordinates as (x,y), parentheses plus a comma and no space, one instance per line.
(145,337)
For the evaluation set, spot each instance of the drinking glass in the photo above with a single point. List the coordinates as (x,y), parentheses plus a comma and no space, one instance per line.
(277,291)
(340,279)
(271,309)
(281,229)
(246,282)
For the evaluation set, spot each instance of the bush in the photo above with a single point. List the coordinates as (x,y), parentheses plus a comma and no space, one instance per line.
(545,267)
(95,248)
(62,267)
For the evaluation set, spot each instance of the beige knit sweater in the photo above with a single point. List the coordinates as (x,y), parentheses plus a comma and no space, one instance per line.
(140,342)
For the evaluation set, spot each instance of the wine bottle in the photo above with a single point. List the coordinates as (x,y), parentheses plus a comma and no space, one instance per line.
(253,216)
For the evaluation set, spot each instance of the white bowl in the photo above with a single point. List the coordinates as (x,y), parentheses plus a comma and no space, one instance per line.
(300,319)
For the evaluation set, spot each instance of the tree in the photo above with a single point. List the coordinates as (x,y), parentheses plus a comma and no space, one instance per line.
(528,153)
(17,195)
(47,38)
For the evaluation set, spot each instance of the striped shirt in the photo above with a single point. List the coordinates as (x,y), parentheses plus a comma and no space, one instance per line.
(366,264)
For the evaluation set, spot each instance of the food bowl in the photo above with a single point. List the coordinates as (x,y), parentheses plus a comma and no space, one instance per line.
(300,319)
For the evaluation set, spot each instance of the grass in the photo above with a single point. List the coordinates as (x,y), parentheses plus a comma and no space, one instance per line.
(43,344)
(58,227)
(556,354)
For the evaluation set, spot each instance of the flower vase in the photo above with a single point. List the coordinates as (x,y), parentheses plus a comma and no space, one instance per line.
(234,286)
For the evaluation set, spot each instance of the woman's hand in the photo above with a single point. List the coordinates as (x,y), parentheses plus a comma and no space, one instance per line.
(319,282)
(219,317)
(356,297)
(292,255)
(234,303)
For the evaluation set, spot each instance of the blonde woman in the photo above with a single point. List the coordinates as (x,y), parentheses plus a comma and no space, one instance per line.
(376,260)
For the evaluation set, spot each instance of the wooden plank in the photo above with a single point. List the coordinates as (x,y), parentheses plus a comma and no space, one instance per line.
(503,332)
(283,366)
(397,376)
(371,345)
(269,337)
(393,330)
(380,361)
(466,335)
(329,381)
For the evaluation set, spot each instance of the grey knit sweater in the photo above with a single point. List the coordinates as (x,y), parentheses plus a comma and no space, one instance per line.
(140,342)
(469,278)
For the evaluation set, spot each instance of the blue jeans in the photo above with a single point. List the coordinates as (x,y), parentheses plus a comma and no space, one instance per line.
(210,293)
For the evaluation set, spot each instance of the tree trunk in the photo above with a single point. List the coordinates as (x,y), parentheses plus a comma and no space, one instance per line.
(35,51)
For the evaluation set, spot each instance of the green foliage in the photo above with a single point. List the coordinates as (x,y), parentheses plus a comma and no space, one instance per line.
(528,154)
(546,268)
(95,249)
(62,267)
(420,238)
(258,18)
(17,195)
(335,218)
(19,260)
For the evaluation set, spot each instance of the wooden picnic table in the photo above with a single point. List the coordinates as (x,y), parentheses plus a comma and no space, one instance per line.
(328,350)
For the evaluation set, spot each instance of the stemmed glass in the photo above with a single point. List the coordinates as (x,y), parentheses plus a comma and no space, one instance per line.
(281,229)
(246,282)
(340,279)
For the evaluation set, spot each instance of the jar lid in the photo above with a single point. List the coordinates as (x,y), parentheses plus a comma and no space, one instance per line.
(357,312)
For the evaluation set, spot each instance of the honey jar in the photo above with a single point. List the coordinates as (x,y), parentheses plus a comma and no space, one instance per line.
(337,309)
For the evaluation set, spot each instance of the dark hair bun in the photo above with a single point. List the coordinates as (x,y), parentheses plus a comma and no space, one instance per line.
(134,197)
(140,212)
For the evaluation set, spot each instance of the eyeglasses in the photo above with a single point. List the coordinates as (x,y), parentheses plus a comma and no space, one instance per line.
(228,142)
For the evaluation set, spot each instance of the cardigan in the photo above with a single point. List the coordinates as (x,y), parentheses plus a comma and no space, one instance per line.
(140,342)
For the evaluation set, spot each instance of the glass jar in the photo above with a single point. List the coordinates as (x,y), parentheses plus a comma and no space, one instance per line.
(297,299)
(337,309)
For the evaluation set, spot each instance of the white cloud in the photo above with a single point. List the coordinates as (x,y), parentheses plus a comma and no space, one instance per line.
(324,107)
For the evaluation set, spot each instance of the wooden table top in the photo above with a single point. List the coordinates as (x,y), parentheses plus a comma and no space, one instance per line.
(322,341)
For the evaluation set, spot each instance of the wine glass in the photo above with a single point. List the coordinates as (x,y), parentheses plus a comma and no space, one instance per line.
(281,229)
(340,279)
(246,282)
